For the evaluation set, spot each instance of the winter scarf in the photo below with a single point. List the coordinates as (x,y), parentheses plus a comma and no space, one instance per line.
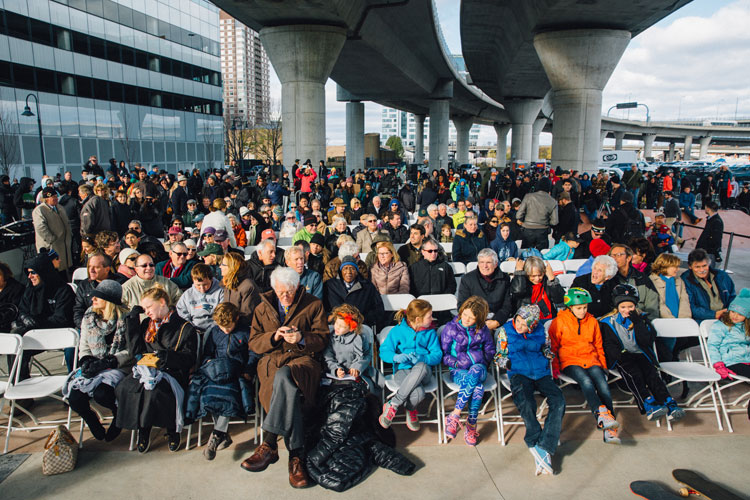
(95,331)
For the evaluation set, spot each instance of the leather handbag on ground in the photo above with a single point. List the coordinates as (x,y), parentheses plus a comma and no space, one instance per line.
(60,452)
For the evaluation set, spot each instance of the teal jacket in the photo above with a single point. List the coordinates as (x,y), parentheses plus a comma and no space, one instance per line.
(402,339)
(728,345)
(561,251)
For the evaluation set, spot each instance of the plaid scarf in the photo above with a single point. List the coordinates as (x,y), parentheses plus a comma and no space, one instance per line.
(153,328)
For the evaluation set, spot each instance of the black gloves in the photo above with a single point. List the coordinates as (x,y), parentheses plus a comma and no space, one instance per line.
(163,355)
(92,367)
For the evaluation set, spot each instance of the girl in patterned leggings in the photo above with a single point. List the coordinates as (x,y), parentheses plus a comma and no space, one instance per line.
(468,348)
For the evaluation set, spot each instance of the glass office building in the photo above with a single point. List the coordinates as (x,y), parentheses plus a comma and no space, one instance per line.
(134,80)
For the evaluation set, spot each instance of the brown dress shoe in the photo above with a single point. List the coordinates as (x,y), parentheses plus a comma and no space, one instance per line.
(261,459)
(297,473)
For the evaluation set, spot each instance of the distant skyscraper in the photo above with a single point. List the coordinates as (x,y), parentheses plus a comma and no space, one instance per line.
(244,69)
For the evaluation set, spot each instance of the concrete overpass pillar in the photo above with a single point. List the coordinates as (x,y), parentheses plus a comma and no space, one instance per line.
(687,148)
(418,138)
(439,118)
(536,129)
(648,144)
(522,113)
(670,156)
(355,136)
(578,64)
(502,129)
(619,136)
(463,126)
(704,142)
(602,137)
(303,57)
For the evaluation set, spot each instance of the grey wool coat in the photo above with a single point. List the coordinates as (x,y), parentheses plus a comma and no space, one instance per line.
(53,232)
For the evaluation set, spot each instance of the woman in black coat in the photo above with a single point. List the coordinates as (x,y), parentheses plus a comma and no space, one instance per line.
(162,344)
(120,213)
(350,288)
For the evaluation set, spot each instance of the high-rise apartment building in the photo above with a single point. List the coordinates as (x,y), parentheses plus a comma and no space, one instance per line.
(245,71)
(134,80)
(402,124)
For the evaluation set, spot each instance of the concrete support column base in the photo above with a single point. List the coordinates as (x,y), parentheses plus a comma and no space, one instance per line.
(439,118)
(619,136)
(648,144)
(418,138)
(704,142)
(502,129)
(355,136)
(687,148)
(536,130)
(522,113)
(463,127)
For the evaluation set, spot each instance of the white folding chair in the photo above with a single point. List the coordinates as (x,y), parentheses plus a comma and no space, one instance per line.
(459,268)
(447,248)
(40,386)
(557,267)
(734,380)
(395,301)
(441,301)
(566,280)
(250,249)
(519,243)
(470,267)
(508,266)
(80,274)
(572,265)
(545,251)
(284,242)
(689,370)
(433,389)
(10,344)
(396,246)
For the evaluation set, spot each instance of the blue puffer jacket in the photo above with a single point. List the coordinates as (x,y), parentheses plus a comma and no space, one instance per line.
(525,352)
(402,339)
(464,347)
(561,251)
(505,249)
(699,301)
(728,345)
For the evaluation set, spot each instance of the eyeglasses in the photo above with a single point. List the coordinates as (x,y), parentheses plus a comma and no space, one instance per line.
(429,251)
(622,254)
(191,249)
(145,265)
(493,221)
(180,254)
(372,220)
(31,271)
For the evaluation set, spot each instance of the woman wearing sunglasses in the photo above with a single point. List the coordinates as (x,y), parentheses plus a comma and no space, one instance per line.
(127,259)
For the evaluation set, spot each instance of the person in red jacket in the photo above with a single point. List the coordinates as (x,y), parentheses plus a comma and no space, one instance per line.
(306,176)
(579,352)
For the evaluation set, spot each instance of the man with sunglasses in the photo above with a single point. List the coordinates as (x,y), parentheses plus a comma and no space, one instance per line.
(145,277)
(177,268)
(366,236)
(432,274)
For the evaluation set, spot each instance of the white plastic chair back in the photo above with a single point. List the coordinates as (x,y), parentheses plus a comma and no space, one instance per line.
(284,242)
(248,256)
(396,246)
(508,266)
(458,268)
(566,280)
(383,334)
(545,251)
(50,339)
(705,327)
(447,247)
(80,274)
(396,301)
(441,301)
(557,266)
(572,265)
(519,243)
(74,287)
(284,247)
(471,266)
(10,343)
(250,249)
(676,327)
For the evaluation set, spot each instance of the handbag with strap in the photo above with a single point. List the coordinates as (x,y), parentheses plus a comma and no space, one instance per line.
(60,452)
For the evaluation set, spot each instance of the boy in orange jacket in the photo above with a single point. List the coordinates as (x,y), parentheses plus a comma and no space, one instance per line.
(577,343)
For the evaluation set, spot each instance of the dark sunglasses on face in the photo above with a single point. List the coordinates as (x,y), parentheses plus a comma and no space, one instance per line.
(429,251)
(145,265)
(31,271)
(180,254)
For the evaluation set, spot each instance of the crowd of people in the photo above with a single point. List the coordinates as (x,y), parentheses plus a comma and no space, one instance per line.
(189,299)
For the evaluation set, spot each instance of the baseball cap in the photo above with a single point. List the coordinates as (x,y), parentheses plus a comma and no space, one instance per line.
(175,230)
(221,235)
(268,234)
(211,249)
(48,191)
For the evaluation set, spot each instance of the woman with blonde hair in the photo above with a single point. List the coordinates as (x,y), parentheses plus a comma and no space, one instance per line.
(218,219)
(389,274)
(239,287)
(102,350)
(673,297)
(163,347)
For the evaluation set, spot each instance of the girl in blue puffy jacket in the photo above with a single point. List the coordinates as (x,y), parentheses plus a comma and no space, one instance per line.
(729,339)
(413,348)
(467,349)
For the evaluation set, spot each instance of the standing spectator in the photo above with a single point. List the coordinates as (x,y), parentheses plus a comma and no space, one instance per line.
(23,198)
(120,213)
(52,229)
(707,189)
(538,212)
(711,237)
(567,215)
(626,222)
(723,181)
(306,176)
(94,211)
(179,197)
(632,180)
(218,219)
(7,208)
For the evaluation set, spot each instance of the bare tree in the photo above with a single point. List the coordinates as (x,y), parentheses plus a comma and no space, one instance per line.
(127,139)
(9,152)
(237,138)
(267,141)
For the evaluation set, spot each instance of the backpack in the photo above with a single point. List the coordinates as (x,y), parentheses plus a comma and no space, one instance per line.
(634,228)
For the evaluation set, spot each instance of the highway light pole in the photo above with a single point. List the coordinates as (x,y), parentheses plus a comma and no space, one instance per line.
(27,112)
(631,105)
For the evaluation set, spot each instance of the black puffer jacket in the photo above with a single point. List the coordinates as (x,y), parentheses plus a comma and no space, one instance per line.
(349,442)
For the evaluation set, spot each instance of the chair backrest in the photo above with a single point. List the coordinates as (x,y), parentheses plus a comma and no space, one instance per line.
(50,338)
(471,266)
(80,274)
(508,266)
(545,251)
(572,265)
(396,301)
(705,327)
(566,280)
(284,247)
(250,249)
(676,327)
(557,266)
(519,243)
(458,268)
(447,247)
(441,301)
(10,343)
(284,241)
(396,246)
(248,256)
(382,334)
(73,286)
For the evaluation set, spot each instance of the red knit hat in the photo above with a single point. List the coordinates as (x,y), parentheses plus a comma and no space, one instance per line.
(598,247)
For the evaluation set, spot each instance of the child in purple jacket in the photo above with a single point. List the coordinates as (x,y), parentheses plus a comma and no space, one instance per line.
(468,347)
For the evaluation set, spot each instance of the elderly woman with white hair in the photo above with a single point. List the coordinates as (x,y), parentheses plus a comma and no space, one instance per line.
(288,331)
(599,284)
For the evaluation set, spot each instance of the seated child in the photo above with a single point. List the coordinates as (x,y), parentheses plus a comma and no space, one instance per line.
(577,344)
(523,350)
(221,386)
(729,339)
(565,249)
(468,347)
(628,346)
(446,235)
(413,348)
(197,304)
(349,351)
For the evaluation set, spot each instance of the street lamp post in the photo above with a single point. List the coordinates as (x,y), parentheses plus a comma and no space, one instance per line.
(631,105)
(27,112)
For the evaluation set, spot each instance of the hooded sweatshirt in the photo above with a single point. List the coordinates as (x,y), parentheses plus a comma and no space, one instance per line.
(197,307)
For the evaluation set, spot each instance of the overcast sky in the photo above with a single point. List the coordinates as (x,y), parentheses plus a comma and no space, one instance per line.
(692,64)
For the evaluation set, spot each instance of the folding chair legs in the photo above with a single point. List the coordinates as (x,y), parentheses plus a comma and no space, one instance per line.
(10,426)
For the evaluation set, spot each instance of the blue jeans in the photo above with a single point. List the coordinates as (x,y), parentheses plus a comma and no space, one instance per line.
(691,214)
(593,384)
(635,196)
(523,396)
